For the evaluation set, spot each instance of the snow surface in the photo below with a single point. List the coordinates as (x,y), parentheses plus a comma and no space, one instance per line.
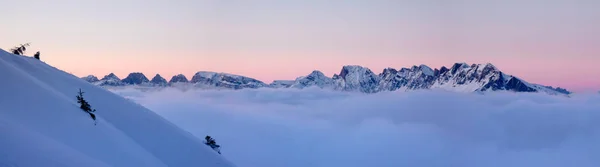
(41,124)
(426,70)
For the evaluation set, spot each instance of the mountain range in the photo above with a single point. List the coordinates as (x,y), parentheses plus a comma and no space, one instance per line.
(460,77)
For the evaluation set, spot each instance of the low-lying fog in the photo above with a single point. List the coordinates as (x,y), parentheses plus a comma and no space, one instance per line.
(320,128)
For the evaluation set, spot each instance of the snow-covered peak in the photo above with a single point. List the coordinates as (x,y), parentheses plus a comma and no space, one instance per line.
(356,78)
(355,71)
(426,70)
(458,66)
(389,71)
(135,78)
(316,73)
(207,79)
(110,80)
(203,74)
(90,78)
(315,78)
(444,69)
(491,66)
(178,78)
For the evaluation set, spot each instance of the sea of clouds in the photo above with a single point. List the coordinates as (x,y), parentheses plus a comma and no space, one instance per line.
(320,128)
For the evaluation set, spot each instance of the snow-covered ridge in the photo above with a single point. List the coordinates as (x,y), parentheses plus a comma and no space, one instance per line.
(224,80)
(460,77)
(41,124)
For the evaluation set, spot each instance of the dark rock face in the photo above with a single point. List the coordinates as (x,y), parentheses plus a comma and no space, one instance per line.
(179,78)
(135,78)
(356,78)
(559,89)
(517,85)
(158,80)
(111,76)
(390,81)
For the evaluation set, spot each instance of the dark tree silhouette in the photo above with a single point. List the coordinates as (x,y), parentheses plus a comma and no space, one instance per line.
(37,55)
(85,106)
(19,50)
(213,144)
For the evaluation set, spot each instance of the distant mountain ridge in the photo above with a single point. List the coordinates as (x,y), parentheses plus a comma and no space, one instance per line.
(460,77)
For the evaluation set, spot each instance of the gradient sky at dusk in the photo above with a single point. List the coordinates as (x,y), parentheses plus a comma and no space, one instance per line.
(551,42)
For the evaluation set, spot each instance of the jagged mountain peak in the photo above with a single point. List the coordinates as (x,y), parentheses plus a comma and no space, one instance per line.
(458,66)
(426,70)
(110,80)
(354,69)
(110,76)
(316,73)
(356,78)
(178,78)
(135,78)
(444,69)
(158,80)
(387,72)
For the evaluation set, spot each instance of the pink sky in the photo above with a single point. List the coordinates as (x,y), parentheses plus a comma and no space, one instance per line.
(551,42)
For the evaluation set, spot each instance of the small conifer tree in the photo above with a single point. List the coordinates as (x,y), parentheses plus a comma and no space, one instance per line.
(85,106)
(37,55)
(19,50)
(213,144)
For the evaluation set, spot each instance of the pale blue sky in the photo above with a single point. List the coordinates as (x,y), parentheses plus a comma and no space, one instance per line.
(269,39)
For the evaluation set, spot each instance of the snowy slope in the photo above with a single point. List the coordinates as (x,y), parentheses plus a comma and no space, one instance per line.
(42,125)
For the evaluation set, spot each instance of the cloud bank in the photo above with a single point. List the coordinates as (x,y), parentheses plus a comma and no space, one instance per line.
(319,128)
